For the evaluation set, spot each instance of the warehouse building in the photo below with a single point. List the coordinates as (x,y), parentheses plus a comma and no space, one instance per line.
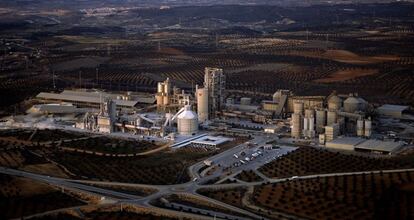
(92,99)
(345,143)
(395,111)
(364,145)
(378,146)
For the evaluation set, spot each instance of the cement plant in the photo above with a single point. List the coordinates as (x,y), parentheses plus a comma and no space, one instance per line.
(206,110)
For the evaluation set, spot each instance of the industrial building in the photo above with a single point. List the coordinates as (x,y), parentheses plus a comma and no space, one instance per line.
(364,145)
(93,99)
(215,83)
(187,121)
(171,98)
(395,111)
(345,143)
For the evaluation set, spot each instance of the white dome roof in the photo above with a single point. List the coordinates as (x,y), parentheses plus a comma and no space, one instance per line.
(352,100)
(187,114)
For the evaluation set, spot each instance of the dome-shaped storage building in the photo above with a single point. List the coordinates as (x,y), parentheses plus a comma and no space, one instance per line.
(352,104)
(187,122)
(334,103)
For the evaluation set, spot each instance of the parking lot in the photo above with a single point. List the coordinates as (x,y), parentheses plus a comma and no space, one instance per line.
(253,157)
(247,156)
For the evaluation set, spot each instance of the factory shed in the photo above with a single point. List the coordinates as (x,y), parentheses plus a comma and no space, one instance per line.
(384,147)
(395,111)
(82,100)
(345,143)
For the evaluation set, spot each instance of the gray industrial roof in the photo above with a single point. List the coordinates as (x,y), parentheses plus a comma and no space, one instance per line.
(81,98)
(347,141)
(210,140)
(378,145)
(134,97)
(387,107)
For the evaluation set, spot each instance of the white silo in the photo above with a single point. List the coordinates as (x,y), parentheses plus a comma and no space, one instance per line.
(334,103)
(187,122)
(277,95)
(160,87)
(298,108)
(167,86)
(368,128)
(320,120)
(305,124)
(332,117)
(202,104)
(296,125)
(360,127)
(311,123)
(311,132)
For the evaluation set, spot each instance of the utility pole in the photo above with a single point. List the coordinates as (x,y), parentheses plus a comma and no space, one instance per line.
(217,40)
(97,74)
(53,79)
(80,79)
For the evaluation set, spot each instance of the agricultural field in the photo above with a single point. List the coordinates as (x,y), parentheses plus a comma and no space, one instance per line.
(230,196)
(308,161)
(248,176)
(22,197)
(368,196)
(364,196)
(150,169)
(40,135)
(110,145)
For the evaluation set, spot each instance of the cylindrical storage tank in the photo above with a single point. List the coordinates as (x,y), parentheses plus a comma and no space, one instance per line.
(277,95)
(311,124)
(309,113)
(351,104)
(202,104)
(245,101)
(360,127)
(320,121)
(334,103)
(187,122)
(368,128)
(230,101)
(166,100)
(298,107)
(296,125)
(160,100)
(167,86)
(332,117)
(160,88)
(305,124)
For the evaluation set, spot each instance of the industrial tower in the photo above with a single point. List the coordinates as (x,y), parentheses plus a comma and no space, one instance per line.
(215,83)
